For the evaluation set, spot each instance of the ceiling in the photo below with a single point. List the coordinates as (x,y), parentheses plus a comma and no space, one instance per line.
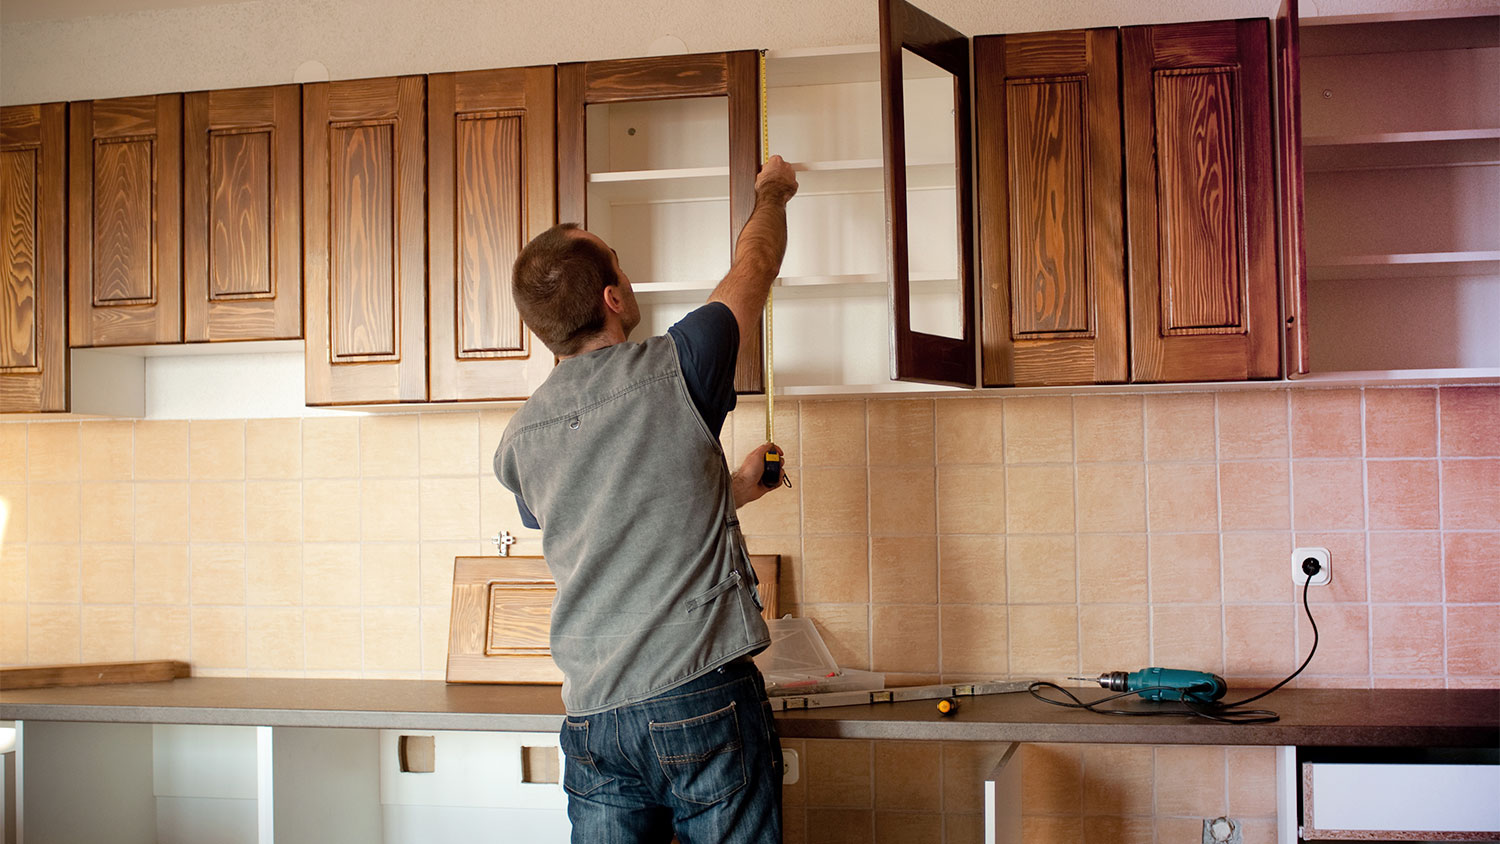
(21,11)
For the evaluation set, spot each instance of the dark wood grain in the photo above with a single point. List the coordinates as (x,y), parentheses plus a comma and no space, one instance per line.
(364,236)
(917,356)
(744,164)
(125,261)
(491,148)
(1298,360)
(657,78)
(242,272)
(33,313)
(92,674)
(1200,202)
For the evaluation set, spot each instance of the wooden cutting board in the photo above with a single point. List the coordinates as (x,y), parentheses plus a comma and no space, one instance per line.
(502,616)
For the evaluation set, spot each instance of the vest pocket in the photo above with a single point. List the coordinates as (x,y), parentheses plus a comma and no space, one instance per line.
(580,775)
(703,757)
(715,591)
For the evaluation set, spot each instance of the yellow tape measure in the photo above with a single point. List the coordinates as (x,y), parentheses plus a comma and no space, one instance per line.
(765,155)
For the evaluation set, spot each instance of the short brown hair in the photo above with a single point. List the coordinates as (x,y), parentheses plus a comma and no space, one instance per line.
(558,280)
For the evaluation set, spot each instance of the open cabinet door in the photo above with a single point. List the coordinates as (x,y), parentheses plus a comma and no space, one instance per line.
(932,324)
(1289,182)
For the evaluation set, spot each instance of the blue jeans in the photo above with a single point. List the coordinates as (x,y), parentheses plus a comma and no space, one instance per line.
(701,760)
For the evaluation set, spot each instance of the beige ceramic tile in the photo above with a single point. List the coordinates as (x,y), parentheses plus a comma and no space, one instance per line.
(1473,641)
(1326,423)
(1118,779)
(52,452)
(449,442)
(107,451)
(908,776)
(393,639)
(330,447)
(897,827)
(435,639)
(334,639)
(840,774)
(217,513)
(1111,497)
(13,516)
(273,511)
(1180,426)
(108,634)
(52,511)
(1401,423)
(13,452)
(1182,497)
(219,637)
(903,569)
(273,574)
(13,644)
(903,500)
(1053,783)
(971,499)
(1041,569)
(971,569)
(1184,568)
(53,634)
(161,450)
(900,432)
(450,509)
(1252,424)
(1343,643)
(275,638)
(840,826)
(388,445)
(1112,635)
(53,574)
(1471,421)
(834,501)
(161,574)
(218,574)
(330,574)
(1190,781)
(1252,782)
(1403,494)
(778,512)
(747,429)
(1258,641)
(833,433)
(846,631)
(12,572)
(1187,634)
(905,638)
(388,509)
(975,641)
(1109,428)
(330,510)
(436,575)
(970,430)
(965,766)
(1471,563)
(1038,429)
(108,574)
(1039,499)
(1328,495)
(492,424)
(108,511)
(1043,640)
(1112,568)
(1469,495)
(1256,495)
(1349,584)
(1051,829)
(1407,566)
(273,449)
(216,449)
(1406,640)
(1255,566)
(163,633)
(391,574)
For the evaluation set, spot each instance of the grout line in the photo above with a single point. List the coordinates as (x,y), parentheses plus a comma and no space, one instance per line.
(1442,534)
(1364,456)
(1219,502)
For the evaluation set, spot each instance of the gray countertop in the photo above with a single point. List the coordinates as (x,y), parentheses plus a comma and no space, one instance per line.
(1309,717)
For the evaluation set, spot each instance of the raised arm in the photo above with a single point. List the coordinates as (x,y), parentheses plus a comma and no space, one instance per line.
(760,248)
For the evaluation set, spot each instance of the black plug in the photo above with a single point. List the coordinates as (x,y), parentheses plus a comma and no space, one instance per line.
(1311,567)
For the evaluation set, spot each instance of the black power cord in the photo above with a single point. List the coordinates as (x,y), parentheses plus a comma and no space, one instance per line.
(1225,713)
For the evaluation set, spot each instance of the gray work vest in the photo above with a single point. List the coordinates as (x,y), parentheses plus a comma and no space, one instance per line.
(632,493)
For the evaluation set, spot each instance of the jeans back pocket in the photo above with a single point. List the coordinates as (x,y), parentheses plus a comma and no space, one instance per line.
(703,756)
(580,775)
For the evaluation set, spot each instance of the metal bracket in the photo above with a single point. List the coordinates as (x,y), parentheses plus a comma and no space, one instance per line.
(503,540)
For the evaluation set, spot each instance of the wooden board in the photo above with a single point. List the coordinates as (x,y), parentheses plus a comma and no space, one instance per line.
(502,617)
(92,674)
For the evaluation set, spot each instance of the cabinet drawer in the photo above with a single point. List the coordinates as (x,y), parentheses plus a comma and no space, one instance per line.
(1343,801)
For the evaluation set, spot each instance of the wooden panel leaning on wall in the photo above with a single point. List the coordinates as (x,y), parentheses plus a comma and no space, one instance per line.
(33,319)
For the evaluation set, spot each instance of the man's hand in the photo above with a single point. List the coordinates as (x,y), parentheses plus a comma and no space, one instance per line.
(776,180)
(745,482)
(759,249)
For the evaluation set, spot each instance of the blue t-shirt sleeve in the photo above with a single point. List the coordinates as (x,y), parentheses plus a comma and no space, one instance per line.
(527,518)
(708,346)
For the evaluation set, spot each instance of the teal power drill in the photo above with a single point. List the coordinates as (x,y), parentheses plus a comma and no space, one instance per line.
(1164,684)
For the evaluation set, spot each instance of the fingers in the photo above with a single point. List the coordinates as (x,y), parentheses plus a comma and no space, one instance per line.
(777,177)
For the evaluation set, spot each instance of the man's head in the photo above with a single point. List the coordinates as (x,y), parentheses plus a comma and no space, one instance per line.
(570,289)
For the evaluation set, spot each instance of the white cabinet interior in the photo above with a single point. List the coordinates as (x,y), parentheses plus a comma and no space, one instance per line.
(1401,142)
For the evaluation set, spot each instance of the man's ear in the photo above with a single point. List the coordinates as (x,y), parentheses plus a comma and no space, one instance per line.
(612,299)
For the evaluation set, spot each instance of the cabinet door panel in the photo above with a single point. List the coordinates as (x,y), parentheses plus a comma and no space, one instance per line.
(918,355)
(33,318)
(1199,196)
(242,165)
(1051,222)
(1290,181)
(365,240)
(490,177)
(125,267)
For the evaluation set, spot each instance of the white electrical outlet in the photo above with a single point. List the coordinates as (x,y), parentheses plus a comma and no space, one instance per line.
(1324,559)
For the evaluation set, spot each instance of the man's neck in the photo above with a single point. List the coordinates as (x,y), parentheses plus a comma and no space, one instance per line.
(611,335)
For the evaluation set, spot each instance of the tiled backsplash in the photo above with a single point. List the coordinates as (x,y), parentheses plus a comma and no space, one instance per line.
(953,538)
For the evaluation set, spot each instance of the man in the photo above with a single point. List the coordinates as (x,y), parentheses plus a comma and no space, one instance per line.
(616,457)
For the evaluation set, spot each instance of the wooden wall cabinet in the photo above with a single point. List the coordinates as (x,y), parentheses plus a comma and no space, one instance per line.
(33,315)
(125,221)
